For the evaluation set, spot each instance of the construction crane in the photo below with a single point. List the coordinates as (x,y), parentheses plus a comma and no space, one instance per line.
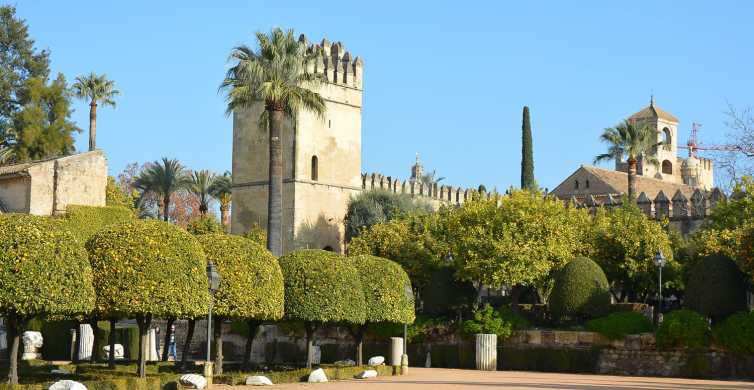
(692,145)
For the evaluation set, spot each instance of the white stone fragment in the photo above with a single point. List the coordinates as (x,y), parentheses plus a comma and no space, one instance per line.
(32,341)
(67,385)
(367,374)
(258,380)
(194,381)
(118,351)
(376,360)
(317,376)
(347,362)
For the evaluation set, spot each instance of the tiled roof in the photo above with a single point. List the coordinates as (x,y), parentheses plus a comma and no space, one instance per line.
(653,112)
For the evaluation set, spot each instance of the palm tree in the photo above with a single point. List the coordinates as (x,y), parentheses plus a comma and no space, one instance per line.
(221,190)
(276,76)
(201,184)
(632,140)
(164,179)
(98,90)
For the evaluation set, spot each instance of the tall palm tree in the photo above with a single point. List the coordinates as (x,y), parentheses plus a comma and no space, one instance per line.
(221,189)
(201,184)
(164,179)
(633,141)
(274,75)
(98,90)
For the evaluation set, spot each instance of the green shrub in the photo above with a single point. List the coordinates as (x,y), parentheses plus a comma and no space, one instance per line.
(736,333)
(581,291)
(716,287)
(149,267)
(426,329)
(488,321)
(444,295)
(617,325)
(205,225)
(257,234)
(321,286)
(517,321)
(85,221)
(683,329)
(549,359)
(128,337)
(387,290)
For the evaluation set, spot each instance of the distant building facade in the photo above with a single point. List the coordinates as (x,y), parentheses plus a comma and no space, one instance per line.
(47,187)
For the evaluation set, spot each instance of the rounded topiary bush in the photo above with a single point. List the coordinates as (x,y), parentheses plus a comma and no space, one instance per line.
(736,333)
(321,286)
(44,271)
(683,329)
(387,290)
(716,287)
(618,325)
(149,267)
(251,284)
(580,291)
(85,221)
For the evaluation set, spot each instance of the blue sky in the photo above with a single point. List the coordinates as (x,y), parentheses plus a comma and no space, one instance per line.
(445,79)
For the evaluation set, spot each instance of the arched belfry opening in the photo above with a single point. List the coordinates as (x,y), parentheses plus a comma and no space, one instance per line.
(315,168)
(667,139)
(667,167)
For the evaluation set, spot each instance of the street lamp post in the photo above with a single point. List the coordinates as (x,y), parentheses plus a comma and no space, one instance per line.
(659,262)
(213,277)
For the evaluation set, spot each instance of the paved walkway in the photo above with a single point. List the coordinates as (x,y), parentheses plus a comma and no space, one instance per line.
(441,379)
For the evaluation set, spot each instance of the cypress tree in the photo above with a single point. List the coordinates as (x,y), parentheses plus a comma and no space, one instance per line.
(527,154)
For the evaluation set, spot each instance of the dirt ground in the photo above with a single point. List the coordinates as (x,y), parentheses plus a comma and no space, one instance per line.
(441,379)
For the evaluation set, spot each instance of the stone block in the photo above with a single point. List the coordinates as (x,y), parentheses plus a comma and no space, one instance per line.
(566,338)
(534,337)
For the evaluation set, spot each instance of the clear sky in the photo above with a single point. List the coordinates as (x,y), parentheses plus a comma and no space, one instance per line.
(445,79)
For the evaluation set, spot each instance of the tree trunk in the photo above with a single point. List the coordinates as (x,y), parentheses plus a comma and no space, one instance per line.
(92,126)
(165,208)
(310,328)
(14,339)
(143,321)
(360,345)
(166,342)
(223,214)
(111,341)
(187,343)
(95,340)
(275,193)
(77,344)
(515,297)
(632,163)
(253,327)
(218,334)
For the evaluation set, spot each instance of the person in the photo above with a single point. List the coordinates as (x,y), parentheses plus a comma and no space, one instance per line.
(171,344)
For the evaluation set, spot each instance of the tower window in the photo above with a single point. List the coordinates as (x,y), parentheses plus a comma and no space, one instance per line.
(667,167)
(667,139)
(587,184)
(329,123)
(576,184)
(315,168)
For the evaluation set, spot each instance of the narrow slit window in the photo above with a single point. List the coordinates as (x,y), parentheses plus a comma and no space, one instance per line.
(315,168)
(576,185)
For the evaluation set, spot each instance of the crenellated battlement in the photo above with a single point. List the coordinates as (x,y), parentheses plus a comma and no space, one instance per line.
(334,62)
(435,192)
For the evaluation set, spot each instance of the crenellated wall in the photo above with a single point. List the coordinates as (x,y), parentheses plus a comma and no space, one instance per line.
(435,194)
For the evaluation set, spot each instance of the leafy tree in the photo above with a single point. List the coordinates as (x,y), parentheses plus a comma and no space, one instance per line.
(146,269)
(114,196)
(444,295)
(204,225)
(407,241)
(97,89)
(164,179)
(632,140)
(251,287)
(581,291)
(44,271)
(19,62)
(321,287)
(716,288)
(372,207)
(221,189)
(518,239)
(527,154)
(387,293)
(41,128)
(487,320)
(624,242)
(201,185)
(736,210)
(276,75)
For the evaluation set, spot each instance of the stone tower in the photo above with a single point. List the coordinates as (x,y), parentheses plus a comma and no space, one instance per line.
(666,124)
(321,159)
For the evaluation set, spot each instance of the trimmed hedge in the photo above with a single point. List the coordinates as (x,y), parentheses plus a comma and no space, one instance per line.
(128,337)
(683,329)
(618,325)
(251,284)
(149,267)
(488,320)
(321,286)
(387,290)
(44,270)
(716,287)
(736,333)
(570,360)
(444,295)
(205,225)
(301,375)
(581,291)
(85,221)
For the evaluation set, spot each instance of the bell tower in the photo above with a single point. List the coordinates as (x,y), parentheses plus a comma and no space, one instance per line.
(669,168)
